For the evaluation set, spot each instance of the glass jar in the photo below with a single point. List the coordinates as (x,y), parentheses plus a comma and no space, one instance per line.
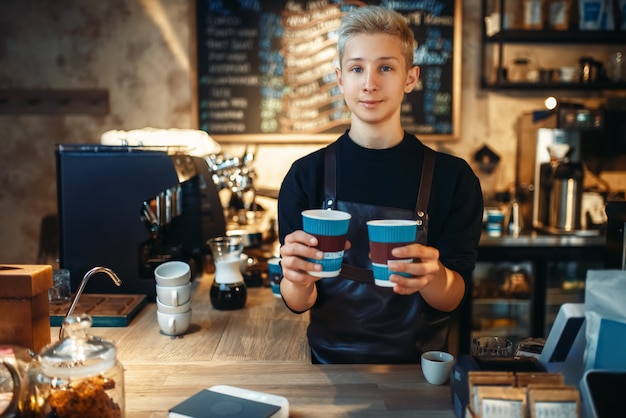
(519,70)
(79,376)
(523,66)
(229,289)
(15,363)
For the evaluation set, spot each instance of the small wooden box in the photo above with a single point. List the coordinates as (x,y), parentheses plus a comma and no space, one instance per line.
(24,309)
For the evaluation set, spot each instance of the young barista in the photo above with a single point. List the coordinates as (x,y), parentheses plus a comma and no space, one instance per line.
(373,171)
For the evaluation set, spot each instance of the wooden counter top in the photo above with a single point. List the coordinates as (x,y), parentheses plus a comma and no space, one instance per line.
(261,347)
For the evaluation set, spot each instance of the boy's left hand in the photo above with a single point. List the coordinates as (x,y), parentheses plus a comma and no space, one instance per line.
(424,269)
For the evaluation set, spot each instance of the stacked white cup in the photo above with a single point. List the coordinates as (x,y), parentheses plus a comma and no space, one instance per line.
(173,289)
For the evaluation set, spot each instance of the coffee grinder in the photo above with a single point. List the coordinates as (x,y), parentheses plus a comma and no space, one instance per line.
(558,182)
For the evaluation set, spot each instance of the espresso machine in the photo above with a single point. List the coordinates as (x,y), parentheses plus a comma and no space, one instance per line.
(132,208)
(550,190)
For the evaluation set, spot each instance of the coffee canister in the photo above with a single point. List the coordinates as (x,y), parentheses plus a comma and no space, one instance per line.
(566,196)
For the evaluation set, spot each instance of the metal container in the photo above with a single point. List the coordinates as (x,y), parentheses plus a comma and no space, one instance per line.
(566,196)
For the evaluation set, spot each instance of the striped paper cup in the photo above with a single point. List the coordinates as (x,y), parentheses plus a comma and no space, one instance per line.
(330,227)
(382,273)
(384,236)
(392,230)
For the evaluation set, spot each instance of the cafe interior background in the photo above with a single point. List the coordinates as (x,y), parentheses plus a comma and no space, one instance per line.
(142,52)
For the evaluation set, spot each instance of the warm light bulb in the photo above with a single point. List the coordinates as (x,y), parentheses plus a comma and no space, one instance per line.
(550,103)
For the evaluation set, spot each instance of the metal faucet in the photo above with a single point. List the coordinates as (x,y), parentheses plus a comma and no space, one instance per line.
(83,283)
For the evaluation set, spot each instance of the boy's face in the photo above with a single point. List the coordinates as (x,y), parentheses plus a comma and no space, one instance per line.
(374,77)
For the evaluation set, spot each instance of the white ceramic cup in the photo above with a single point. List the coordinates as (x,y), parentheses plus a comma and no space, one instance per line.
(174,323)
(171,309)
(568,74)
(174,295)
(172,273)
(436,366)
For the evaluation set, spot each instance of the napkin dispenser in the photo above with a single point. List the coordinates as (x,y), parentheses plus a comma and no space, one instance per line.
(131,209)
(459,384)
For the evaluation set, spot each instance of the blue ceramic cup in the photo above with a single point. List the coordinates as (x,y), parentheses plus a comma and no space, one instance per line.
(275,273)
(384,236)
(330,227)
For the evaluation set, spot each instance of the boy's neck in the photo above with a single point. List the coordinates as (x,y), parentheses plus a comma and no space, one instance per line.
(375,136)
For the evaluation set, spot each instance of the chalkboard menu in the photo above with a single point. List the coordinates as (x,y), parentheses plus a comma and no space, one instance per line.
(266,69)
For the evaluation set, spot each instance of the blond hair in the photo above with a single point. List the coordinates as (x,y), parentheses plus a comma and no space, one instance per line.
(376,19)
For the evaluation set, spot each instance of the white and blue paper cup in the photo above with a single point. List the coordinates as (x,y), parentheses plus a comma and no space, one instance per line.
(330,227)
(384,236)
(495,222)
(275,273)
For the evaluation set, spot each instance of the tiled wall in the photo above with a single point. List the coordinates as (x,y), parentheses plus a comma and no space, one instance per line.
(141,51)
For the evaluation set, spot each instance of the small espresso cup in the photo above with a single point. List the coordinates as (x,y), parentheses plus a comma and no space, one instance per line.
(330,227)
(171,309)
(172,273)
(384,236)
(174,323)
(275,275)
(436,366)
(174,295)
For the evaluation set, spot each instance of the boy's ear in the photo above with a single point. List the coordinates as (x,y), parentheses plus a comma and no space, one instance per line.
(411,78)
(339,80)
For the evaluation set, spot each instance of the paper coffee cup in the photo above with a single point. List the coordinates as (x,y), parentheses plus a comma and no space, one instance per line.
(384,236)
(330,227)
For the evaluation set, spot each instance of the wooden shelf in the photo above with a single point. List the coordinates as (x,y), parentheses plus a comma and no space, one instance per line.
(507,37)
(595,86)
(558,37)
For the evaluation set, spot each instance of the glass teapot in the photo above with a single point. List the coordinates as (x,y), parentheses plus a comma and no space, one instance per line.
(78,376)
(15,363)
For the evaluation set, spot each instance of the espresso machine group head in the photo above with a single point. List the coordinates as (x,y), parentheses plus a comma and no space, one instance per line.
(131,209)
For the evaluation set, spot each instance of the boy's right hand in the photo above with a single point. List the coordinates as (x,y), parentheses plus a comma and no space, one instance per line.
(294,252)
(298,286)
(297,248)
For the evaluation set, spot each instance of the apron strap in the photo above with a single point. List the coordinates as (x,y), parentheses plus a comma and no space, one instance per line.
(330,177)
(421,207)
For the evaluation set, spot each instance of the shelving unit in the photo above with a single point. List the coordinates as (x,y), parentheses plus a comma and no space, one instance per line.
(491,77)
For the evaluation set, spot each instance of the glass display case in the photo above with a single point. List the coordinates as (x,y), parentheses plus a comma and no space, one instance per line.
(501,300)
(519,283)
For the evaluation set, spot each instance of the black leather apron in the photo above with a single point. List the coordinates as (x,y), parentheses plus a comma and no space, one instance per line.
(355,321)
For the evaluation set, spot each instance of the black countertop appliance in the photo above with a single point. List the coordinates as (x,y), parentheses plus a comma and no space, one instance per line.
(131,209)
